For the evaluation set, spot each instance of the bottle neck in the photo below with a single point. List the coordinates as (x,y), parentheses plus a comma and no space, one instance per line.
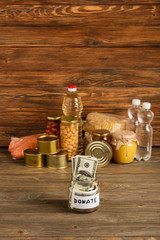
(72,91)
(136,106)
(145,110)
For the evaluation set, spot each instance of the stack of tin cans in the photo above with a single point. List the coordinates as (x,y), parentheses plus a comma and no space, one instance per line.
(48,153)
(64,129)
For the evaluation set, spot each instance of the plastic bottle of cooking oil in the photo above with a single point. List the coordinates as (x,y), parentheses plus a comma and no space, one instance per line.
(132,114)
(144,132)
(72,106)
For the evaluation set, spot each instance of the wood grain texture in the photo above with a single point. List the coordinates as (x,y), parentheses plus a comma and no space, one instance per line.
(77,14)
(82,59)
(78,2)
(34,202)
(93,36)
(110,49)
(79,238)
(106,77)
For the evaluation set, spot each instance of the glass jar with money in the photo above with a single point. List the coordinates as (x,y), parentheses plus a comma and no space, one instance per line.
(84,190)
(69,135)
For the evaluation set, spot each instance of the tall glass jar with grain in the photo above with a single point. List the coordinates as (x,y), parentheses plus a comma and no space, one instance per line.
(72,106)
(69,135)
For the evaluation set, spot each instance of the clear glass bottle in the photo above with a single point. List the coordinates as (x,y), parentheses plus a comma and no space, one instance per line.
(69,135)
(144,132)
(132,114)
(83,196)
(72,106)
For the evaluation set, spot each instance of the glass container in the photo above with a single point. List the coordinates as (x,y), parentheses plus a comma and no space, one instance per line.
(69,135)
(124,146)
(84,197)
(53,125)
(101,135)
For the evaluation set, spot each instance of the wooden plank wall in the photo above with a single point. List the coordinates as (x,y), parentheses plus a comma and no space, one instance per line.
(110,49)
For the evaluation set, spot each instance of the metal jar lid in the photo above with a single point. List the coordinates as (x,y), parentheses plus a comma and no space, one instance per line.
(101,132)
(57,161)
(53,117)
(33,158)
(48,144)
(68,119)
(101,150)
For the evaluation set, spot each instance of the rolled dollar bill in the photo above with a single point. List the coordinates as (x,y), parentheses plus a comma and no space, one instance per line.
(85,168)
(73,159)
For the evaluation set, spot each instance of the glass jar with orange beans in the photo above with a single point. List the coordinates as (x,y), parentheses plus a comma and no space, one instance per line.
(69,135)
(53,124)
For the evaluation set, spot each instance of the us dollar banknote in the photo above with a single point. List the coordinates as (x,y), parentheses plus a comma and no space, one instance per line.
(73,159)
(85,168)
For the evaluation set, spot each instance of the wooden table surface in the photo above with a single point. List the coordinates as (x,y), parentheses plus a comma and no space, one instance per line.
(33,202)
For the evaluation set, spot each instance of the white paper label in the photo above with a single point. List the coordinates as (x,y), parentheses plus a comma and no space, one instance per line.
(82,202)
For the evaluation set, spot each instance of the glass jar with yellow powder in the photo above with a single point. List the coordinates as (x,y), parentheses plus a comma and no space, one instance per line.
(124,145)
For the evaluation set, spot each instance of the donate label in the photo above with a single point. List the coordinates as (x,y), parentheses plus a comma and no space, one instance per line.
(82,202)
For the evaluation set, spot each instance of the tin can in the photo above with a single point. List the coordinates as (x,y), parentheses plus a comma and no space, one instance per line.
(33,158)
(57,161)
(48,144)
(101,150)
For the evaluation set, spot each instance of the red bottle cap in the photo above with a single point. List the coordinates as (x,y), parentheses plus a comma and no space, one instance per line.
(72,88)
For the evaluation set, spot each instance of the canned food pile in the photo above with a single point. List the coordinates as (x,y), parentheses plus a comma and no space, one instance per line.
(104,136)
(47,154)
(54,151)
